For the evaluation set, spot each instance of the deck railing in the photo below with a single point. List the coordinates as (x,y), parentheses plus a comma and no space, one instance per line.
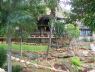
(37,36)
(41,36)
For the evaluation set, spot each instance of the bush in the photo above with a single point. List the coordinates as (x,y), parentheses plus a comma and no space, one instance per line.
(91,39)
(76,62)
(64,44)
(80,69)
(86,39)
(59,63)
(3,56)
(16,68)
(31,41)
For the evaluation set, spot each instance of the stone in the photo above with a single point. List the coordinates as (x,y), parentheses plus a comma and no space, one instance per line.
(2,70)
(79,53)
(85,52)
(17,59)
(54,54)
(28,62)
(12,57)
(89,60)
(82,59)
(60,55)
(67,66)
(69,54)
(91,53)
(92,47)
(22,61)
(91,71)
(27,54)
(34,56)
(49,56)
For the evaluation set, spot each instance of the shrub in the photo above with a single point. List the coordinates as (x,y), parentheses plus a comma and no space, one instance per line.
(86,39)
(31,41)
(59,63)
(76,62)
(64,44)
(16,68)
(91,39)
(3,56)
(80,69)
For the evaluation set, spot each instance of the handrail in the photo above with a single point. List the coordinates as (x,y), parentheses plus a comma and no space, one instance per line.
(37,36)
(41,36)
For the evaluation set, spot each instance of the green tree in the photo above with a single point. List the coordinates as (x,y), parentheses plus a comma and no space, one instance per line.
(18,13)
(3,56)
(59,29)
(52,5)
(72,31)
(70,18)
(85,11)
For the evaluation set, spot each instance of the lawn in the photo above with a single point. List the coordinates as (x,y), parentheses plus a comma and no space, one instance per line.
(32,48)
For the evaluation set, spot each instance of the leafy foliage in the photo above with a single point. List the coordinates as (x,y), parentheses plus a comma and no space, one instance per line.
(59,28)
(76,62)
(24,35)
(15,68)
(86,39)
(85,11)
(23,14)
(3,56)
(72,31)
(92,39)
(70,18)
(52,4)
(58,63)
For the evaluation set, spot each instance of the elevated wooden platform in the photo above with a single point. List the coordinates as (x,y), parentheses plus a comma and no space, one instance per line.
(37,36)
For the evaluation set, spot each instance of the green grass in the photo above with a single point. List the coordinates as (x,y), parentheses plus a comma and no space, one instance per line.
(87,47)
(34,62)
(32,48)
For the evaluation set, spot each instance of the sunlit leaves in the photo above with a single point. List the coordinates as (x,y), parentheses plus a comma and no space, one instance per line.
(72,31)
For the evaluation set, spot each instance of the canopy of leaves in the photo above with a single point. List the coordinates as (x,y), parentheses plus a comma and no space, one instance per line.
(85,10)
(23,13)
(52,4)
(72,31)
(59,28)
(21,18)
(70,18)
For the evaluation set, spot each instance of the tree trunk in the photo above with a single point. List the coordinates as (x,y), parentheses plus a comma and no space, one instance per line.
(49,45)
(70,44)
(21,42)
(9,43)
(51,28)
(57,45)
(9,51)
(1,5)
(21,47)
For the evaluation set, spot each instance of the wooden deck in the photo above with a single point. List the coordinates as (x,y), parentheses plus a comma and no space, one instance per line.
(36,36)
